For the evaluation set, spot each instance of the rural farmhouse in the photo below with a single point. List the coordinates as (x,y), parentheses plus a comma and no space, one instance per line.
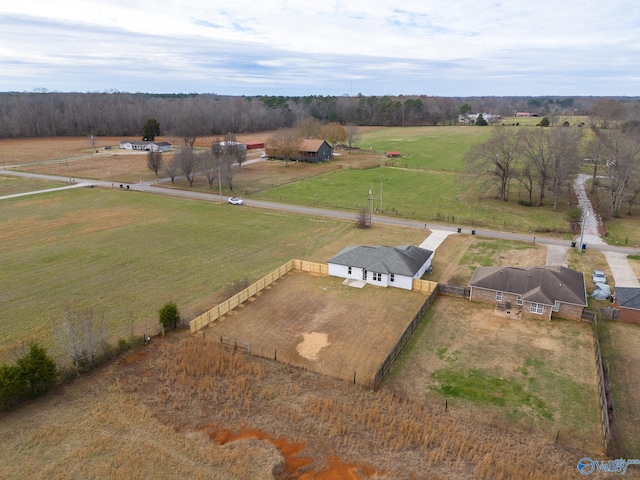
(382,266)
(311,150)
(535,292)
(145,146)
(627,301)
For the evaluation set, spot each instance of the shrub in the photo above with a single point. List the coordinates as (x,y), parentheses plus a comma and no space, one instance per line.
(169,315)
(32,375)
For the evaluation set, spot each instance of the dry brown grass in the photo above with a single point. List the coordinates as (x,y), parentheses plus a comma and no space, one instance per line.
(164,412)
(360,326)
(625,357)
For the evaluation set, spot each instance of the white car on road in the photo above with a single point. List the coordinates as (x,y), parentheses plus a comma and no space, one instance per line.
(235,201)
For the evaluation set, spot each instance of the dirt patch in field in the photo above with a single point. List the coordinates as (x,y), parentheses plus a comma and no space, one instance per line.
(311,345)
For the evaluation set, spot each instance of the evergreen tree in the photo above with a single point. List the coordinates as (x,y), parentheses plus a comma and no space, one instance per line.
(150,130)
(38,370)
(169,315)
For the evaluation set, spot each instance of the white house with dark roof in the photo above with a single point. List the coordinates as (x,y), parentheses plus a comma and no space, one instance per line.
(381,266)
(145,146)
(536,292)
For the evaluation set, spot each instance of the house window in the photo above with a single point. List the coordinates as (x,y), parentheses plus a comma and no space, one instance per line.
(556,307)
(536,308)
(519,300)
(377,277)
(392,277)
(498,296)
(348,270)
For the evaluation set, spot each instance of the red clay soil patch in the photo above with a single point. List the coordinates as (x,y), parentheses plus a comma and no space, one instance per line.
(337,470)
(134,357)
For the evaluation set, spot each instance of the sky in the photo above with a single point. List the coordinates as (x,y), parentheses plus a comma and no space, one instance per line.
(455,48)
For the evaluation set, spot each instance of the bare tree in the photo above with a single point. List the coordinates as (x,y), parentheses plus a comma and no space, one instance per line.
(154,162)
(564,153)
(496,159)
(623,165)
(187,162)
(309,127)
(595,150)
(536,147)
(210,166)
(81,335)
(363,219)
(353,134)
(285,143)
(172,169)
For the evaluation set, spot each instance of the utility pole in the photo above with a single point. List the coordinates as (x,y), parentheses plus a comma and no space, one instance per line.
(381,180)
(220,183)
(370,204)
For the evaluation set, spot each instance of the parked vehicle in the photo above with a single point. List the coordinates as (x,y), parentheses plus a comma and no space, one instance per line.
(598,276)
(235,201)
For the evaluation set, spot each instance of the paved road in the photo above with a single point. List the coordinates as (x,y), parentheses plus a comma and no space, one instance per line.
(152,187)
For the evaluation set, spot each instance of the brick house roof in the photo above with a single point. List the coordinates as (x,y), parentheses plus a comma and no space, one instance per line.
(546,285)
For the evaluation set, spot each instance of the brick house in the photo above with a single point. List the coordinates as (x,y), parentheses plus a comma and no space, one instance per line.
(627,301)
(538,292)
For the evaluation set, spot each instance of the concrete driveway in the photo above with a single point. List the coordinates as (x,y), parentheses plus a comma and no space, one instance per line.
(557,255)
(623,274)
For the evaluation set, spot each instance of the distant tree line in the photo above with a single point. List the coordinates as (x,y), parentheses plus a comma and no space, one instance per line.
(42,114)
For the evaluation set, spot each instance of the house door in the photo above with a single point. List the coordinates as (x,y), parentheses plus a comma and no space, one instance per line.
(364,274)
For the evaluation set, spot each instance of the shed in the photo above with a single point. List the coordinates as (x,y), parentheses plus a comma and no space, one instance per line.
(394,154)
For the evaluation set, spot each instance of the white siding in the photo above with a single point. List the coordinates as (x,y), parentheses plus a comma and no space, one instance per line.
(401,281)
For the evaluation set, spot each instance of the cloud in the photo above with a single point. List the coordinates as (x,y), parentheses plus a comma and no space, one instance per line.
(327,47)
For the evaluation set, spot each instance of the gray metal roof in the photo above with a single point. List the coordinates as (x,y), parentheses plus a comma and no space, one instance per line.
(406,260)
(544,285)
(628,297)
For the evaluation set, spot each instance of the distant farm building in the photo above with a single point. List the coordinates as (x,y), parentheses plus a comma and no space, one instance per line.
(311,151)
(145,146)
(394,154)
(471,118)
(239,145)
(254,145)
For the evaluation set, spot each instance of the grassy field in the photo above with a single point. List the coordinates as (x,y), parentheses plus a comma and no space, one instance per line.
(421,195)
(620,344)
(538,376)
(15,185)
(432,148)
(125,254)
(303,318)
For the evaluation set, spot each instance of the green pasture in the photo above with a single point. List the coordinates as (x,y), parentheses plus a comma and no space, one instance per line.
(432,148)
(534,377)
(420,195)
(124,254)
(14,185)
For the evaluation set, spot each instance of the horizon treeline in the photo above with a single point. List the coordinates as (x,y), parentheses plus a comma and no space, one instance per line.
(45,114)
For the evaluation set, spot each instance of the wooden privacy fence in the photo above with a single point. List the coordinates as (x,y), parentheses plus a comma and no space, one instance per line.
(240,297)
(318,268)
(386,364)
(606,401)
(425,286)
